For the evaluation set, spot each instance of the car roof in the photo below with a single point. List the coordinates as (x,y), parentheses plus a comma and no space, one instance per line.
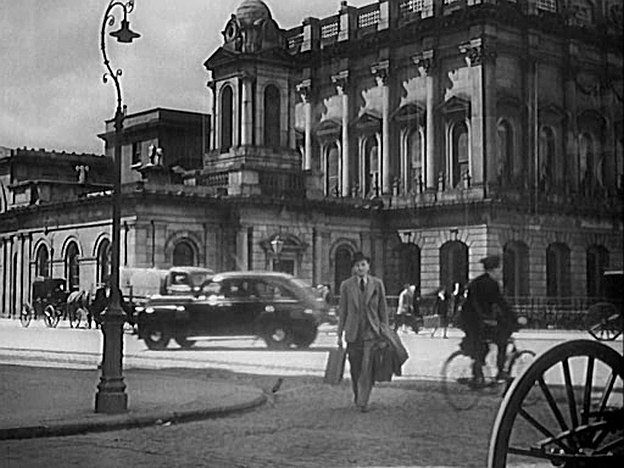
(252,274)
(191,269)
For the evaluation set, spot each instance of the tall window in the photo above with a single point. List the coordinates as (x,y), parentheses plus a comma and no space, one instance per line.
(332,170)
(546,167)
(72,268)
(272,114)
(558,270)
(597,263)
(586,160)
(227,118)
(183,254)
(516,269)
(409,264)
(505,152)
(453,264)
(104,261)
(342,266)
(414,164)
(460,158)
(42,267)
(371,166)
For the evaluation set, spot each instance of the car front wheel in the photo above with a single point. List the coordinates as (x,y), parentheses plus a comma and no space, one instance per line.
(156,338)
(305,337)
(278,336)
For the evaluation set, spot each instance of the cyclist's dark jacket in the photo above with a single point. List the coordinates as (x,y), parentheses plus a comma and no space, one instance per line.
(483,297)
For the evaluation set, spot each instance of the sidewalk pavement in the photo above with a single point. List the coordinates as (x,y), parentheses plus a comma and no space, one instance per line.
(47,402)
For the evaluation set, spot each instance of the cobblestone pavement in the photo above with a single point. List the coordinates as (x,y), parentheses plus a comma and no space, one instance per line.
(305,424)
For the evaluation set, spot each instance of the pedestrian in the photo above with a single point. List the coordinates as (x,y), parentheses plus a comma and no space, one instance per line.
(362,313)
(405,306)
(440,308)
(455,299)
(486,316)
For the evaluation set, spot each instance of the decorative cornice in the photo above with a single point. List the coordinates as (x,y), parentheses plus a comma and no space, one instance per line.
(477,52)
(341,81)
(305,90)
(380,71)
(424,61)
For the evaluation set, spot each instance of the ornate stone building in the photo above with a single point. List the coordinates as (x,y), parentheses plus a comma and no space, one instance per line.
(427,132)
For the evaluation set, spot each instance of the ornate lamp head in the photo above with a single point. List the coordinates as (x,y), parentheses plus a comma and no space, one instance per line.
(124,33)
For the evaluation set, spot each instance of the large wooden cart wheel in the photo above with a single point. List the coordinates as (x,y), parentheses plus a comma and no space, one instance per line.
(578,419)
(603,321)
(26,314)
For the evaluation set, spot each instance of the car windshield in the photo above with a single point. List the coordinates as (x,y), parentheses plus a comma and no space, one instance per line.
(308,290)
(199,277)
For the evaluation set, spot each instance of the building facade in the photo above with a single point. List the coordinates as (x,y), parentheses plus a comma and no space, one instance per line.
(428,133)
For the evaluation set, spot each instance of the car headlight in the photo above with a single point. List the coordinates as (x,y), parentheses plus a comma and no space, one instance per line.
(149,310)
(180,308)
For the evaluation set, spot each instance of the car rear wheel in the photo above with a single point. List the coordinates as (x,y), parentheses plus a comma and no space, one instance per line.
(156,338)
(305,337)
(278,336)
(184,342)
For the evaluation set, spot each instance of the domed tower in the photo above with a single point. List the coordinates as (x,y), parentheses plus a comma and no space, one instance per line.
(253,137)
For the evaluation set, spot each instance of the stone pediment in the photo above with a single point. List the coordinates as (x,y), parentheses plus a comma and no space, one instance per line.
(329,127)
(220,57)
(409,112)
(368,120)
(224,56)
(454,105)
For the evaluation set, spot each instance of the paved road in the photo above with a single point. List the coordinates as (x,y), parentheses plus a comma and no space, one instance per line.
(66,347)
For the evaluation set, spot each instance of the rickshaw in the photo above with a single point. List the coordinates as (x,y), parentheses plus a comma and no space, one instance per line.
(49,298)
(604,319)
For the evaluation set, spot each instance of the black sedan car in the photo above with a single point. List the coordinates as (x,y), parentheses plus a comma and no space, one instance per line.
(277,307)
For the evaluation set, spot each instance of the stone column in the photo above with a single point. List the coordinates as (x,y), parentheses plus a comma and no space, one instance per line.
(241,248)
(341,82)
(481,59)
(380,71)
(214,124)
(572,175)
(424,62)
(304,89)
(247,109)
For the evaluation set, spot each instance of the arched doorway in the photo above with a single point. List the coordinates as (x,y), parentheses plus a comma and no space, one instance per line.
(453,264)
(342,266)
(183,254)
(516,269)
(272,115)
(104,261)
(72,268)
(597,263)
(558,270)
(42,265)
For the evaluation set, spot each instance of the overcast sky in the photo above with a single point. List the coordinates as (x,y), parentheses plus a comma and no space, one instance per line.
(51,90)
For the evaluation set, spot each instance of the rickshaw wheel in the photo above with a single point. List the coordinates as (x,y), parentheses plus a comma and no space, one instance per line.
(50,316)
(578,421)
(26,315)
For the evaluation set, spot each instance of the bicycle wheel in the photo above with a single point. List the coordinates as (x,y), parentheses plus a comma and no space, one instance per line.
(579,419)
(519,363)
(50,316)
(603,321)
(456,382)
(26,315)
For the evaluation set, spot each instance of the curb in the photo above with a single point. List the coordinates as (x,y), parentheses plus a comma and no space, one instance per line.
(116,422)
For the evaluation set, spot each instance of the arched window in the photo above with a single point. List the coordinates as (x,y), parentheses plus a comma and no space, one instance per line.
(453,264)
(586,160)
(546,150)
(227,118)
(183,254)
(414,161)
(42,267)
(409,264)
(272,114)
(371,167)
(505,152)
(460,153)
(558,270)
(516,269)
(332,170)
(597,263)
(72,268)
(104,254)
(342,266)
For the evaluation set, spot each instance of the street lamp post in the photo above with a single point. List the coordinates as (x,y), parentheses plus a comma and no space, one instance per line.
(111,396)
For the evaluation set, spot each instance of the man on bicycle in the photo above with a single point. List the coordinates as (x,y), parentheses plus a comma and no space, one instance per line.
(486,317)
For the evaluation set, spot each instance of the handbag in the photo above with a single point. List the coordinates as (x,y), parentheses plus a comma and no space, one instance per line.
(334,369)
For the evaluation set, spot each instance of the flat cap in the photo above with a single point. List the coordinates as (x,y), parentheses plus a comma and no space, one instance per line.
(490,262)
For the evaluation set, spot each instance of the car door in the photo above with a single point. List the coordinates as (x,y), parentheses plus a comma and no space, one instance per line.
(209,309)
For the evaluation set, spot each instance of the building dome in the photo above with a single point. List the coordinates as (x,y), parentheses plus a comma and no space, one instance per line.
(250,11)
